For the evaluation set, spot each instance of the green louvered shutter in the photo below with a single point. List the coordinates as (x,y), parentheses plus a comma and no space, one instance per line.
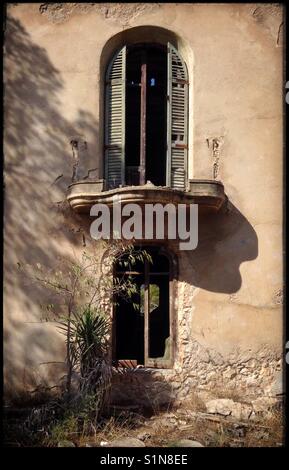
(115,121)
(177,120)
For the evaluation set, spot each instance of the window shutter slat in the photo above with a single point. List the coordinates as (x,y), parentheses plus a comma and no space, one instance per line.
(177,120)
(115,121)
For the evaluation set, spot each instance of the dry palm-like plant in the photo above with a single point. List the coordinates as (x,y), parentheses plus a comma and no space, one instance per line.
(86,288)
(84,284)
(87,333)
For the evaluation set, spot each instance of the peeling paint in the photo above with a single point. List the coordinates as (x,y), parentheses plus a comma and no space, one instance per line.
(91,170)
(121,12)
(280,33)
(75,158)
(57,179)
(278,297)
(79,149)
(215,144)
(270,16)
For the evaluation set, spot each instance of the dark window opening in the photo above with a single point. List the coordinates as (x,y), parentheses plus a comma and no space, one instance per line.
(129,327)
(146,114)
(132,118)
(146,117)
(142,325)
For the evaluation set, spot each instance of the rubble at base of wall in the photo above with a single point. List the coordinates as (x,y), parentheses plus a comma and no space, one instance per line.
(207,375)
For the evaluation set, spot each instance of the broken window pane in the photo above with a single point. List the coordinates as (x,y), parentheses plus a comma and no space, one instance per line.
(159,324)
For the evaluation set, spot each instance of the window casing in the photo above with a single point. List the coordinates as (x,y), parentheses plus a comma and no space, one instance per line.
(145,335)
(138,145)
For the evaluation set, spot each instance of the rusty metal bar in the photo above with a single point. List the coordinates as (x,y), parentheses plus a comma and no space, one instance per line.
(146,314)
(180,146)
(180,81)
(143,118)
(111,147)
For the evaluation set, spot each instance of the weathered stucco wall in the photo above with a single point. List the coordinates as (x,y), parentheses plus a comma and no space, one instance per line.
(229,311)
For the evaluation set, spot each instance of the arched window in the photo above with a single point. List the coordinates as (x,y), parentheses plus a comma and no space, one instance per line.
(146,117)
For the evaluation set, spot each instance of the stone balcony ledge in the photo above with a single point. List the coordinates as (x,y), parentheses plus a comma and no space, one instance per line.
(208,194)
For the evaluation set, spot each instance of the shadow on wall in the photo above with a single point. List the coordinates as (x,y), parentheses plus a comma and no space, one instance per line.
(226,240)
(38,168)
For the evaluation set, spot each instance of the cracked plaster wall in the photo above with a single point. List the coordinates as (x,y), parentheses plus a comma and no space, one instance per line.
(230,324)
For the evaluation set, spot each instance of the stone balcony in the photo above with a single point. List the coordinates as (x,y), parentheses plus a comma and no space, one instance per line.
(208,194)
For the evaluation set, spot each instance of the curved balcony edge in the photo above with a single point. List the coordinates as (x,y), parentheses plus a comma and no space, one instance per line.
(208,194)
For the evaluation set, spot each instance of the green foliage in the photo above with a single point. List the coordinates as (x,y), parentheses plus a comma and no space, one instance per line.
(129,256)
(87,332)
(78,418)
(85,287)
(67,428)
